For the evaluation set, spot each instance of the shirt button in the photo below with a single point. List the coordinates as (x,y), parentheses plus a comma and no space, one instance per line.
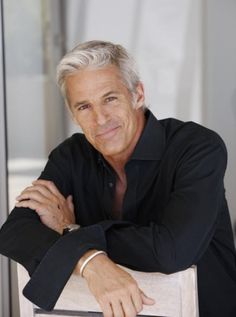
(110,184)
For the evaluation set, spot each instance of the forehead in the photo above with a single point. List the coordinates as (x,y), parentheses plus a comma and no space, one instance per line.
(94,81)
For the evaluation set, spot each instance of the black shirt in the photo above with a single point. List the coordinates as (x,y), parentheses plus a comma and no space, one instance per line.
(174,214)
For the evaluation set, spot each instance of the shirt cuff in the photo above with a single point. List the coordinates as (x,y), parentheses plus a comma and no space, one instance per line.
(53,272)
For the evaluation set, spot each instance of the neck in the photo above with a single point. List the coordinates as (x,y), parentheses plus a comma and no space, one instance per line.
(119,161)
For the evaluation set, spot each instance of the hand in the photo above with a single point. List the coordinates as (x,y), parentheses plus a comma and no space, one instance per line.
(115,290)
(53,209)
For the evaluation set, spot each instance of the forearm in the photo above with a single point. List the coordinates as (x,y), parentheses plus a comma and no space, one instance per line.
(154,249)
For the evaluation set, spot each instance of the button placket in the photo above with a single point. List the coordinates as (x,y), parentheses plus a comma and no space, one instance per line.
(130,198)
(109,185)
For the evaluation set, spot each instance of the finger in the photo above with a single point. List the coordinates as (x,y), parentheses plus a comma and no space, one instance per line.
(70,204)
(51,186)
(137,301)
(106,309)
(42,189)
(147,300)
(35,195)
(117,309)
(34,205)
(24,191)
(128,306)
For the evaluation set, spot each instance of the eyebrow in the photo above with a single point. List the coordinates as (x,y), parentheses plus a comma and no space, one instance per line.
(110,93)
(79,103)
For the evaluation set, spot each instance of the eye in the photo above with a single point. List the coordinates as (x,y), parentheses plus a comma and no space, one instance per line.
(110,99)
(83,107)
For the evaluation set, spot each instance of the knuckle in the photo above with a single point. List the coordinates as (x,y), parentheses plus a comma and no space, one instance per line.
(55,200)
(38,209)
(103,299)
(121,292)
(125,292)
(133,286)
(47,183)
(62,200)
(43,207)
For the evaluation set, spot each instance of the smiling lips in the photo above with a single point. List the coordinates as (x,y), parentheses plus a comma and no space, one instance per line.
(108,133)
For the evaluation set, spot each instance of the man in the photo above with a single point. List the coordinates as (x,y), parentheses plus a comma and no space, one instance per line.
(147,194)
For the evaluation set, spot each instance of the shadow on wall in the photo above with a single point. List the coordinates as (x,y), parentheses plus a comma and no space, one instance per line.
(234,111)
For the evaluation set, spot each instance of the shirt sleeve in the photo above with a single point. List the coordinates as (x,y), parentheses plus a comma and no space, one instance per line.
(49,257)
(23,237)
(176,243)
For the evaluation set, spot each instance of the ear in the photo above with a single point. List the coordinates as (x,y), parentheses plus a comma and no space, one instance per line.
(139,96)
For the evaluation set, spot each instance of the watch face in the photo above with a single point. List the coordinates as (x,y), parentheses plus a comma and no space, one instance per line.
(65,231)
(73,227)
(70,228)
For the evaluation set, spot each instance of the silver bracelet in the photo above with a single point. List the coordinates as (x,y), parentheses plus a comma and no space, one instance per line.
(89,259)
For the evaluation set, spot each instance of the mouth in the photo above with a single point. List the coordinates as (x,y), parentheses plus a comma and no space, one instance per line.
(109,133)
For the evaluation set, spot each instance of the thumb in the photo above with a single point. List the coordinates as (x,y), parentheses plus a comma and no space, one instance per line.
(147,300)
(70,204)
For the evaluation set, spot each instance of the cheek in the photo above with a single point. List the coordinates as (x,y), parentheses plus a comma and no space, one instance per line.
(81,121)
(131,120)
(88,130)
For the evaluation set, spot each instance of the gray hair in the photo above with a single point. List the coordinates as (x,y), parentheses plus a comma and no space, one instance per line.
(98,54)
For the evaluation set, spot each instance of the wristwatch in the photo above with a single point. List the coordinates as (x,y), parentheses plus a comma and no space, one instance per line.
(70,228)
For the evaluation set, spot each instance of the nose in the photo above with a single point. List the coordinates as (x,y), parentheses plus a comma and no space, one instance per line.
(100,116)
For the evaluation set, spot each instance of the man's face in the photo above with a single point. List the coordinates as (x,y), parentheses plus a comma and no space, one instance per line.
(102,105)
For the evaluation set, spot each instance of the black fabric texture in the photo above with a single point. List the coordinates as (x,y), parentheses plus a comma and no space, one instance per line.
(174,214)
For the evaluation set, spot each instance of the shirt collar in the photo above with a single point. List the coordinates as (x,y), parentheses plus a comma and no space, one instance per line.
(151,143)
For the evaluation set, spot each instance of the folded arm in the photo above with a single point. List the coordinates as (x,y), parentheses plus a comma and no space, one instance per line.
(176,243)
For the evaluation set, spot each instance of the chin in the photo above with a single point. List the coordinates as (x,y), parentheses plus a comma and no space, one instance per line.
(112,151)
